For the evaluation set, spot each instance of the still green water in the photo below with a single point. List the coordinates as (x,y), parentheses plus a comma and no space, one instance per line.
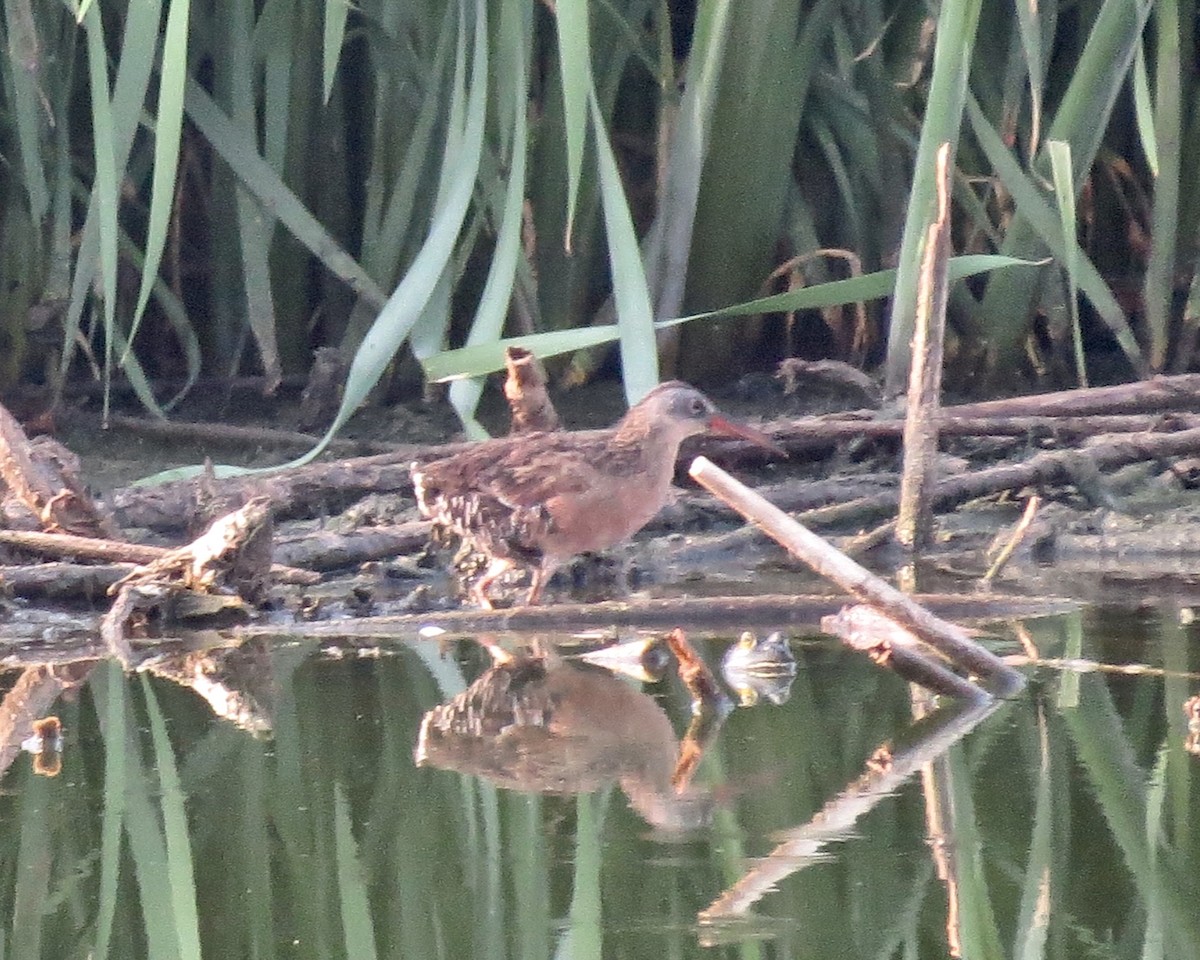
(1063,824)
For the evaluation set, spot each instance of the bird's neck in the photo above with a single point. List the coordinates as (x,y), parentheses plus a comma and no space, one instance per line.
(637,446)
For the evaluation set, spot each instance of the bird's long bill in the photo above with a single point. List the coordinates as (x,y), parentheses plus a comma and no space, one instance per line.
(718,424)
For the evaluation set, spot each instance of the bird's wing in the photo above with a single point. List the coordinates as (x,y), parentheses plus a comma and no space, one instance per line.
(498,491)
(523,473)
(529,478)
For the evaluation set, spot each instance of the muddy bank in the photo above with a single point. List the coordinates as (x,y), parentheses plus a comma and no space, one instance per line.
(1117,507)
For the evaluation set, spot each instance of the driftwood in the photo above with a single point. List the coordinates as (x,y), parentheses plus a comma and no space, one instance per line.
(886,642)
(324,550)
(1054,466)
(704,613)
(63,581)
(43,476)
(322,488)
(312,489)
(234,550)
(1180,392)
(315,488)
(118,552)
(302,491)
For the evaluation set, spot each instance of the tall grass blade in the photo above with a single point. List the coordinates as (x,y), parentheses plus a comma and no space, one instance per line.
(255,224)
(1033,918)
(635,315)
(1154,942)
(143,829)
(105,184)
(1159,283)
(129,93)
(977,920)
(32,871)
(1177,649)
(274,44)
(1108,758)
(407,304)
(956,27)
(180,872)
(1036,212)
(668,259)
(584,937)
(1064,196)
(574,60)
(242,156)
(168,129)
(23,67)
(1029,23)
(336,12)
(383,242)
(1143,110)
(530,870)
(497,292)
(1083,115)
(486,357)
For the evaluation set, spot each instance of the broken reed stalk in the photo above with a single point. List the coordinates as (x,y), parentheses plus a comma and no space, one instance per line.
(914,524)
(525,390)
(950,639)
(891,645)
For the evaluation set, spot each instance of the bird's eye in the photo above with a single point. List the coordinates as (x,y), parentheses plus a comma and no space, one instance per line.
(697,406)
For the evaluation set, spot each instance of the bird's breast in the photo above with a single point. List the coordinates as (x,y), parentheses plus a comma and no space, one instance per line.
(604,515)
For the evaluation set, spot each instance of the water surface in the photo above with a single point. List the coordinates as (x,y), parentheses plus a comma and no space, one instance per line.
(1063,824)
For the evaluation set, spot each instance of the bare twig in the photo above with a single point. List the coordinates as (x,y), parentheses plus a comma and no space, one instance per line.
(1014,539)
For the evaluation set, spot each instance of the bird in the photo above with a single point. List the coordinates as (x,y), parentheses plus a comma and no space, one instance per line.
(535,500)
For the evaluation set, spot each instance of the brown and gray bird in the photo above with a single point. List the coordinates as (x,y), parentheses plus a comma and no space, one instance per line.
(534,501)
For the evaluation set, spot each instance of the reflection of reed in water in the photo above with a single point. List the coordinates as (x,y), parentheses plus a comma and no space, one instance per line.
(543,725)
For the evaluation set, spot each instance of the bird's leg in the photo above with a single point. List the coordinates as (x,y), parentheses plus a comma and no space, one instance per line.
(542,572)
(497,568)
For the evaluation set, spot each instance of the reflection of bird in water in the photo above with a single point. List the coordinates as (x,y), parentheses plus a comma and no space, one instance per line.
(535,500)
(540,724)
(757,668)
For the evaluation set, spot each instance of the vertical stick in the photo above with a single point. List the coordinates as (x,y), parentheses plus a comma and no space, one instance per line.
(914,527)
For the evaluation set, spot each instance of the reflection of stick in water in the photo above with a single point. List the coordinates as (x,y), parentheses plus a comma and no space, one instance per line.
(886,770)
